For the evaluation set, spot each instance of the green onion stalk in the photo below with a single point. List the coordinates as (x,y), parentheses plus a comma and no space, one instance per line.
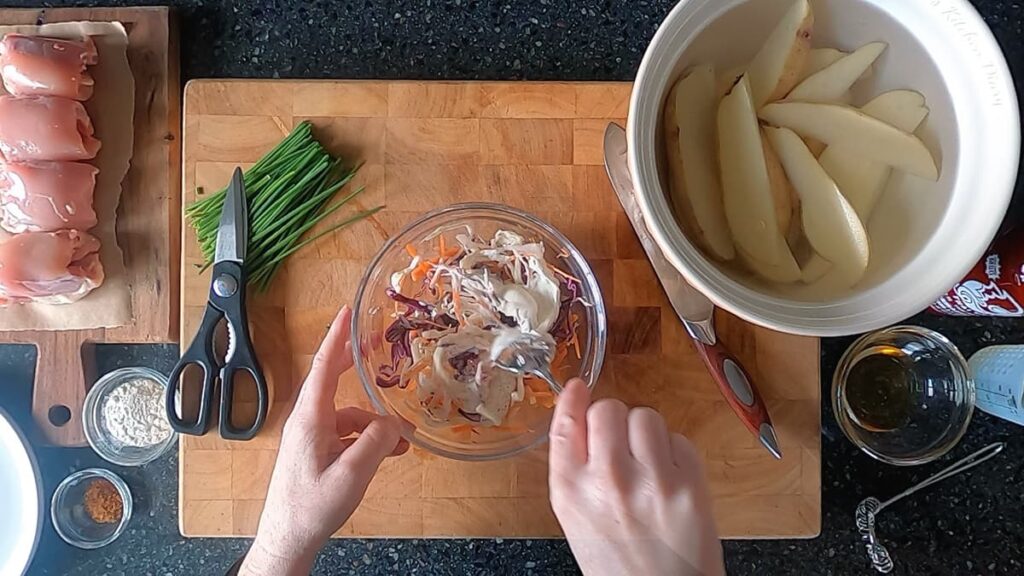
(289,191)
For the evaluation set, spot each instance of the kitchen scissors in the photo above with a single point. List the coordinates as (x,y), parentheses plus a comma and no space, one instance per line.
(226,302)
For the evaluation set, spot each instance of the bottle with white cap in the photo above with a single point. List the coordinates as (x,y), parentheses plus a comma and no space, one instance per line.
(998,373)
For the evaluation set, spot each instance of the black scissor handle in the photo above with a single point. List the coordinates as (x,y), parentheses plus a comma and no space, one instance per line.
(199,353)
(242,357)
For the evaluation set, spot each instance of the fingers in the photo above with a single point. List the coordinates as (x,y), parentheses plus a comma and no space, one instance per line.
(377,441)
(332,359)
(649,439)
(607,433)
(401,448)
(350,420)
(684,455)
(569,426)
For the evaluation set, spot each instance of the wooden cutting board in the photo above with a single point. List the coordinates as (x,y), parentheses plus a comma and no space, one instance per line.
(147,226)
(536,146)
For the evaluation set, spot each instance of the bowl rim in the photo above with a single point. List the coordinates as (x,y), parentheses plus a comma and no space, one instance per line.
(92,405)
(846,424)
(85,474)
(999,171)
(503,209)
(10,431)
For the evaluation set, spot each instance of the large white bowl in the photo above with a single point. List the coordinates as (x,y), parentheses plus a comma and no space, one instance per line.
(21,501)
(925,236)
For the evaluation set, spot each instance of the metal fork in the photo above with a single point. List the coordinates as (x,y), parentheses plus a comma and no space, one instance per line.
(529,355)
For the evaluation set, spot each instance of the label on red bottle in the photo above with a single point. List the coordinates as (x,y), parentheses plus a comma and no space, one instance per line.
(995,287)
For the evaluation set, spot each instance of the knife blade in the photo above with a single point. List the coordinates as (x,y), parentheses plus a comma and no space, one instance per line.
(694,308)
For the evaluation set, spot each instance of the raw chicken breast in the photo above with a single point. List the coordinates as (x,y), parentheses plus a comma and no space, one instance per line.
(44,196)
(49,267)
(45,128)
(38,66)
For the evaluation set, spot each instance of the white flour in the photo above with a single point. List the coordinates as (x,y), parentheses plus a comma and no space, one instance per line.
(134,413)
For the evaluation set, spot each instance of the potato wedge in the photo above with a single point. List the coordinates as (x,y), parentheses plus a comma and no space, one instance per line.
(862,180)
(856,132)
(787,204)
(816,146)
(830,223)
(818,59)
(814,269)
(778,65)
(677,181)
(701,188)
(728,79)
(746,188)
(832,83)
(787,271)
(904,109)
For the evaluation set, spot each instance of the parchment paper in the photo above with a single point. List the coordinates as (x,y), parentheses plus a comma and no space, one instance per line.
(112,109)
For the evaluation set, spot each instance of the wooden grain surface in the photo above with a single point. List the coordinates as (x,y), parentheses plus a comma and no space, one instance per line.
(533,146)
(148,218)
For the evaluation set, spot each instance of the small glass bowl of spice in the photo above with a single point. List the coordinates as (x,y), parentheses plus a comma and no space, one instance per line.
(125,418)
(91,508)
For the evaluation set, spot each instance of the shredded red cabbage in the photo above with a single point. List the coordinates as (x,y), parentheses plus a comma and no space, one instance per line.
(465,365)
(421,315)
(471,416)
(563,328)
(397,334)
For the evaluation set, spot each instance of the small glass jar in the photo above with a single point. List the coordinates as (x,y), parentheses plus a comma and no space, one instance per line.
(903,395)
(97,432)
(72,521)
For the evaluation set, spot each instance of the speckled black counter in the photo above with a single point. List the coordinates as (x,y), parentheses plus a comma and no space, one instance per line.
(969,525)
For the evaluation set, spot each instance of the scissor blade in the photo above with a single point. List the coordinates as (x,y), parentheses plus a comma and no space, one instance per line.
(233,231)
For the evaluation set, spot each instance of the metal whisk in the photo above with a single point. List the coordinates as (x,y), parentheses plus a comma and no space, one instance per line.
(869,508)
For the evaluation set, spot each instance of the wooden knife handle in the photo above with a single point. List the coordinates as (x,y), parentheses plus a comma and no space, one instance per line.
(739,390)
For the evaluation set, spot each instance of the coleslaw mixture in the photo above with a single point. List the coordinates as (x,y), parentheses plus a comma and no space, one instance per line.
(457,311)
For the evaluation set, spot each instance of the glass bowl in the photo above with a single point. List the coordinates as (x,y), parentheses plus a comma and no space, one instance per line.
(96,431)
(73,523)
(903,395)
(527,425)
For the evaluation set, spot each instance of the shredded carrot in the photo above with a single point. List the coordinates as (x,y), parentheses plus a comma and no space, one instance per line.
(566,274)
(440,245)
(457,304)
(417,367)
(420,271)
(535,384)
(560,353)
(518,429)
(411,250)
(462,428)
(512,411)
(574,320)
(545,400)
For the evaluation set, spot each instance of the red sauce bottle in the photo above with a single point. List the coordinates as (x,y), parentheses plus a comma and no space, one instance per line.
(994,287)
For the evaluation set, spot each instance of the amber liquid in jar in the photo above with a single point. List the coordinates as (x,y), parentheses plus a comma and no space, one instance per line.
(879,389)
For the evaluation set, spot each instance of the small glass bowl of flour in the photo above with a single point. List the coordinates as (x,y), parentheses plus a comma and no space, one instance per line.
(125,418)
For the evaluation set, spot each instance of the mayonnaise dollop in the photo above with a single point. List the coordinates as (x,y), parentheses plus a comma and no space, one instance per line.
(497,290)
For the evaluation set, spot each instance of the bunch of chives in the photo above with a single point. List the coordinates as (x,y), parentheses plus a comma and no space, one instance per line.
(288,192)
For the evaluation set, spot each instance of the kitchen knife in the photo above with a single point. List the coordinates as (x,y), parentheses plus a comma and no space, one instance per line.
(692,307)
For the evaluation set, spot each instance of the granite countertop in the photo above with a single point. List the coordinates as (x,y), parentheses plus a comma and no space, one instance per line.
(968,525)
